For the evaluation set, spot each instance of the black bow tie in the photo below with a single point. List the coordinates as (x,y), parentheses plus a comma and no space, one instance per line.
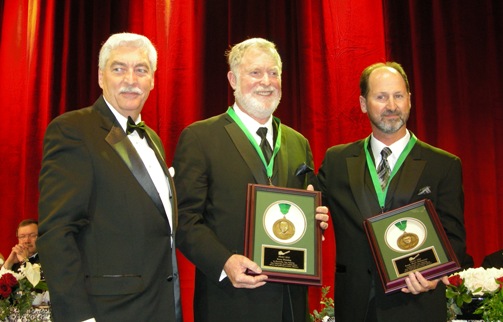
(139,128)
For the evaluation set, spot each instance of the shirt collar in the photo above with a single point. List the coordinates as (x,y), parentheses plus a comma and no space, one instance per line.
(252,126)
(396,149)
(120,118)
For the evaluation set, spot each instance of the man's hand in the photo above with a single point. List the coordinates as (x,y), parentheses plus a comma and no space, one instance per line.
(416,283)
(236,267)
(18,254)
(321,213)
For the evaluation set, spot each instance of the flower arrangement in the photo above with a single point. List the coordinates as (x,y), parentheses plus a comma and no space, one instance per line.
(18,290)
(327,312)
(483,283)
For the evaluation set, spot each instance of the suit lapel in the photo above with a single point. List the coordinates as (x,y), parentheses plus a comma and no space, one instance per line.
(404,183)
(402,186)
(247,151)
(357,168)
(121,144)
(280,171)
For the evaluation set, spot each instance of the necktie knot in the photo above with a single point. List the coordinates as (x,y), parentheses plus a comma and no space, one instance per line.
(264,144)
(385,153)
(139,128)
(262,132)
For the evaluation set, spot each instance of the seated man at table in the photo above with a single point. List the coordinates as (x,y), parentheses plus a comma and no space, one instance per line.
(26,249)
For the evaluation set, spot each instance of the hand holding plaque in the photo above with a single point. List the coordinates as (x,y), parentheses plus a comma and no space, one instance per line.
(408,239)
(282,234)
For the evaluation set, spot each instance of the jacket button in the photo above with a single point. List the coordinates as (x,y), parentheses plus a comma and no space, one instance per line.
(170,278)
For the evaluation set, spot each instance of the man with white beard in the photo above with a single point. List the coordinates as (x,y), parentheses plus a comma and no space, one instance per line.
(215,160)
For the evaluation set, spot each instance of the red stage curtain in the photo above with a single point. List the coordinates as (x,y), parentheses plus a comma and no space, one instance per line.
(450,49)
(452,52)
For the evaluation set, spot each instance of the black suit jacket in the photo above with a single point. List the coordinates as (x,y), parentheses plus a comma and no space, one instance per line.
(427,172)
(105,240)
(214,162)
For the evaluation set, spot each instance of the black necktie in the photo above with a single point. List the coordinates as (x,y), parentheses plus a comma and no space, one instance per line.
(384,170)
(131,127)
(264,144)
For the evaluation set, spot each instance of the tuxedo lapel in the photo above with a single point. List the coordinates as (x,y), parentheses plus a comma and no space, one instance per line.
(248,153)
(121,144)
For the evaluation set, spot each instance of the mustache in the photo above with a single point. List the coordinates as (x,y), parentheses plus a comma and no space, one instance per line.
(391,113)
(130,89)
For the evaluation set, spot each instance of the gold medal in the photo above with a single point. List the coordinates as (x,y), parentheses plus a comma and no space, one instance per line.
(407,241)
(283,228)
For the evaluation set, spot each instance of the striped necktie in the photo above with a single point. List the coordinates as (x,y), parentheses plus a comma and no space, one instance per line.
(384,170)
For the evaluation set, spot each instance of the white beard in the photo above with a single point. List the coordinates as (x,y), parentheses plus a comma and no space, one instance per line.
(253,106)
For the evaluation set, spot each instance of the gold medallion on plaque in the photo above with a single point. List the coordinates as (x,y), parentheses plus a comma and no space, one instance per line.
(405,234)
(407,240)
(283,228)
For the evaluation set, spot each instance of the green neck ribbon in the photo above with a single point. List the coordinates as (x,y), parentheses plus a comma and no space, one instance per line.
(269,167)
(381,195)
(402,225)
(284,208)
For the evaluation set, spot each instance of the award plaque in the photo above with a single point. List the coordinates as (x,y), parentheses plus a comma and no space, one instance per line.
(408,239)
(282,235)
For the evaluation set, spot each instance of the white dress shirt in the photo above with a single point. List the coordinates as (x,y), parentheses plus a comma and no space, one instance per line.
(396,149)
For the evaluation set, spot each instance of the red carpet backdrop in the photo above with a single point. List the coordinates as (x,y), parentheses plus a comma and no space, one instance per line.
(451,50)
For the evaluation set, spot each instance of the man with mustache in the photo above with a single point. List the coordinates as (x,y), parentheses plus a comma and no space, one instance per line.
(215,160)
(107,200)
(349,180)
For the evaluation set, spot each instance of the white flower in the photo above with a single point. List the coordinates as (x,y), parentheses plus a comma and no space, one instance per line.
(482,278)
(32,272)
(4,270)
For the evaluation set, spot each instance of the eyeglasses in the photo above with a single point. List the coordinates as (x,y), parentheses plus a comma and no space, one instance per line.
(31,236)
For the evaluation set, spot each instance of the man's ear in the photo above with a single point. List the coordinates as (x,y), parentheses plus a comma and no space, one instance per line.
(363,104)
(232,79)
(100,78)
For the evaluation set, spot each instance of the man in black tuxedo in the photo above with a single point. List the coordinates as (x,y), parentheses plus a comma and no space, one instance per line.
(107,200)
(26,249)
(352,190)
(215,160)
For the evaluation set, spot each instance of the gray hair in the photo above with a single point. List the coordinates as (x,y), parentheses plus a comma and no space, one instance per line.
(236,53)
(128,39)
